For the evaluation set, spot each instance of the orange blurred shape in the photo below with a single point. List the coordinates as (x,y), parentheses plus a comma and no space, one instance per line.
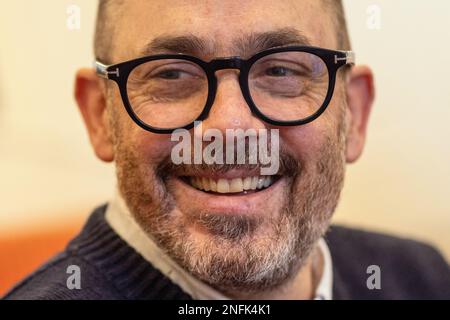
(22,253)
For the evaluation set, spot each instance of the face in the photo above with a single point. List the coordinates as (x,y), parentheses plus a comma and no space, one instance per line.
(252,241)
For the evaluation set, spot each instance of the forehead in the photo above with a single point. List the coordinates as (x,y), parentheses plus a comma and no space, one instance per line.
(220,24)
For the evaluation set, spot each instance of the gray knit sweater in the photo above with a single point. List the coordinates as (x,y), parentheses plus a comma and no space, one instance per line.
(110,269)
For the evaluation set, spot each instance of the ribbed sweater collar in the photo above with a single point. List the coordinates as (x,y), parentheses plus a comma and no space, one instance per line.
(128,272)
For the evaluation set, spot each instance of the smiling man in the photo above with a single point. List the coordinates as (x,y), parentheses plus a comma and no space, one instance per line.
(281,72)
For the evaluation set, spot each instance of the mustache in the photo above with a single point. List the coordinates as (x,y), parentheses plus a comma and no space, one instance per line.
(288,165)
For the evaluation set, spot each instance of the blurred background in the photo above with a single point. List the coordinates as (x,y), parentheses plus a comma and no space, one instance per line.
(50,179)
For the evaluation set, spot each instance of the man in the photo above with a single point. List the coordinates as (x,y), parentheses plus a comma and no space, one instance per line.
(282,72)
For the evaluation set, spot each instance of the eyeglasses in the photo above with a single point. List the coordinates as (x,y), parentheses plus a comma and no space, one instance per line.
(285,86)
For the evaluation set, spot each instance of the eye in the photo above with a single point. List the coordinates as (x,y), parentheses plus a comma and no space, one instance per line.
(277,72)
(170,74)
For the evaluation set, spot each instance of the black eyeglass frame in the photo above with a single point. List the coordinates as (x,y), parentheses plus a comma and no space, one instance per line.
(119,73)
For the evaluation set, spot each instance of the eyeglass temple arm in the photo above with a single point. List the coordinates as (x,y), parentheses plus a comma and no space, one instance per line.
(102,70)
(349,58)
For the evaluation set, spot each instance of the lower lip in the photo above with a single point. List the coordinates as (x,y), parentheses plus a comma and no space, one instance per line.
(229,203)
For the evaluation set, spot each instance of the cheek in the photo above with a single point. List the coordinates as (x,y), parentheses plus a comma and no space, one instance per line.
(306,142)
(148,147)
(152,148)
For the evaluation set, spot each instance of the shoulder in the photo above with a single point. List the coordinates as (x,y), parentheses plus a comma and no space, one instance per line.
(97,265)
(57,280)
(408,269)
(71,274)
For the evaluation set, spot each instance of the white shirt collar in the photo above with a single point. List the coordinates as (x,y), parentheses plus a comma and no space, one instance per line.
(324,290)
(122,222)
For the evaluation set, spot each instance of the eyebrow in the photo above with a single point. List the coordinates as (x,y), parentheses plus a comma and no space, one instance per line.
(254,42)
(244,46)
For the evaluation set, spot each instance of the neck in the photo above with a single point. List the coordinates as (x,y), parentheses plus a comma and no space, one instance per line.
(302,286)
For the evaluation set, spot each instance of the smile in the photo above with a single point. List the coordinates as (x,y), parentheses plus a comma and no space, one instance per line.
(235,185)
(238,192)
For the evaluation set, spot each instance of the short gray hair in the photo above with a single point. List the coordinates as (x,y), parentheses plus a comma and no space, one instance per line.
(104,33)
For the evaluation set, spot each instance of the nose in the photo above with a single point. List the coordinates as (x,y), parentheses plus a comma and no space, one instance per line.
(230,110)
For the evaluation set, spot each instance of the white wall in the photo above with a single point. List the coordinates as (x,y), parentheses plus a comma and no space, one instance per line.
(47,167)
(401,184)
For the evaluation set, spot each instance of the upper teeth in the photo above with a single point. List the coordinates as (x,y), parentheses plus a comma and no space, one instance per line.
(231,185)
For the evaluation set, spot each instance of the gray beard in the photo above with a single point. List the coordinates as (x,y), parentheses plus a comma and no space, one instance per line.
(245,254)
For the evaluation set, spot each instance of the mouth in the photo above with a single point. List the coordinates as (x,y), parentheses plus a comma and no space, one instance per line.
(234,192)
(231,186)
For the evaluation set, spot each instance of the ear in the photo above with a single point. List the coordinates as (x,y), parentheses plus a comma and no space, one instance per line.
(360,97)
(90,97)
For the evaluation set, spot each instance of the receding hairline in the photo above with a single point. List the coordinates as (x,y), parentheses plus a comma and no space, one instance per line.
(105,29)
